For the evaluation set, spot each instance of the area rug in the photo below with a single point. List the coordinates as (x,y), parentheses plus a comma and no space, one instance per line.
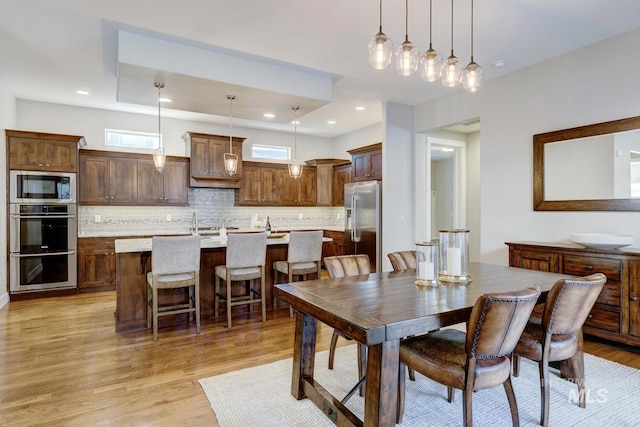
(260,396)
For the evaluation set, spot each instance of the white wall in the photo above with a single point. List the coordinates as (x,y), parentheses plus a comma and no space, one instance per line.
(568,91)
(359,138)
(91,123)
(7,121)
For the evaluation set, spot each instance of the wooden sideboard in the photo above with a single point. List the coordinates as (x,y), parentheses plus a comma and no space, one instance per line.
(616,314)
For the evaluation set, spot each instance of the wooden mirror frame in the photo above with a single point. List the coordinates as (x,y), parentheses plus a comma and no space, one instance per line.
(539,140)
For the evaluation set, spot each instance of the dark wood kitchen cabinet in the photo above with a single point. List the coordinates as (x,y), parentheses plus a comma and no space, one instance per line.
(300,191)
(207,160)
(336,246)
(325,193)
(261,184)
(96,264)
(107,178)
(42,151)
(366,163)
(616,313)
(341,176)
(110,178)
(169,187)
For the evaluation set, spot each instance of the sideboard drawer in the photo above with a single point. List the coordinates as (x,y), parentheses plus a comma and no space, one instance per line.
(611,294)
(604,319)
(584,266)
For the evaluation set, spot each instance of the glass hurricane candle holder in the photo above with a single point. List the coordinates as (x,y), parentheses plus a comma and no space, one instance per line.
(427,264)
(454,256)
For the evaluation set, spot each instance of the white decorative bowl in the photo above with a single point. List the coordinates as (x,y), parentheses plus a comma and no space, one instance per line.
(601,241)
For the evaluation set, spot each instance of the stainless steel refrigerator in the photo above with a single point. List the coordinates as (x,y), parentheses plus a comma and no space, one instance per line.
(363,221)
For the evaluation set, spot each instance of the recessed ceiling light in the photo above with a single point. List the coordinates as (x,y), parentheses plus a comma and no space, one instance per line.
(331,122)
(360,108)
(82,92)
(164,99)
(269,115)
(500,63)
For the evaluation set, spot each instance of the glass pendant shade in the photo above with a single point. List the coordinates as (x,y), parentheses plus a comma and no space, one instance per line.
(295,169)
(451,72)
(406,58)
(230,163)
(159,157)
(472,77)
(430,66)
(380,51)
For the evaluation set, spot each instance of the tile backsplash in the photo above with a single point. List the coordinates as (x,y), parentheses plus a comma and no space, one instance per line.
(214,207)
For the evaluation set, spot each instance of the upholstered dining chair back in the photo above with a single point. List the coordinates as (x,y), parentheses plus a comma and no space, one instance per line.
(246,250)
(569,303)
(403,260)
(497,321)
(175,254)
(347,265)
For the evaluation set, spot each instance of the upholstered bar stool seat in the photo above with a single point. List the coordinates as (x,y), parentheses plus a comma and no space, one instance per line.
(304,256)
(175,263)
(246,256)
(403,260)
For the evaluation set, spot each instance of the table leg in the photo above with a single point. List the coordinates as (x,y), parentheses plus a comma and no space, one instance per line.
(304,352)
(381,392)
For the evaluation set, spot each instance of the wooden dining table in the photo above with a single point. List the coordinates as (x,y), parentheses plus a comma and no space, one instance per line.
(378,310)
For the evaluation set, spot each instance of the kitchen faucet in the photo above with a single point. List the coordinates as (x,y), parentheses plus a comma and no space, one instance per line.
(194,224)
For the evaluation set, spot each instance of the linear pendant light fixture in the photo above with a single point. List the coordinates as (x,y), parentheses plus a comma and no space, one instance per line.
(431,64)
(473,73)
(230,159)
(406,54)
(295,167)
(159,156)
(380,48)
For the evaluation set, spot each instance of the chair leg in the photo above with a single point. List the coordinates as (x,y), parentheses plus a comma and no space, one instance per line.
(227,283)
(576,366)
(197,296)
(515,361)
(513,405)
(191,302)
(401,393)
(543,367)
(467,393)
(263,296)
(332,348)
(275,282)
(216,301)
(451,394)
(155,313)
(412,374)
(290,280)
(149,306)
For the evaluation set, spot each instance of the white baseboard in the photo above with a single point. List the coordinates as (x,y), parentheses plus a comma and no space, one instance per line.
(4,299)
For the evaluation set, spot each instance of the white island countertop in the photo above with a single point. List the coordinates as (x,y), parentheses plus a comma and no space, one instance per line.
(144,244)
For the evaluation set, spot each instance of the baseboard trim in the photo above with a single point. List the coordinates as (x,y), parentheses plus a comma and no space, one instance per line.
(4,299)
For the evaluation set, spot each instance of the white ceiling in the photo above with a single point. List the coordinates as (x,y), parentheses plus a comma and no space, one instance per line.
(49,49)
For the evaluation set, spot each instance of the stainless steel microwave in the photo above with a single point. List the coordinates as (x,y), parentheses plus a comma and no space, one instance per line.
(42,187)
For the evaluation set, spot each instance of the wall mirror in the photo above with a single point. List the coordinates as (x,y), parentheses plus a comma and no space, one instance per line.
(588,168)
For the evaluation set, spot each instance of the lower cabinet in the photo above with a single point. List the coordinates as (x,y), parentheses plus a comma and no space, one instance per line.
(335,247)
(96,264)
(616,314)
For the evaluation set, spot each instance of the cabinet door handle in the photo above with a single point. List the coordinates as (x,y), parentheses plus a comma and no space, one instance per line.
(590,316)
(107,197)
(634,298)
(589,267)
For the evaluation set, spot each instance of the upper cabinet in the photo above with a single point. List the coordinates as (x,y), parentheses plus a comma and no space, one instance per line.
(366,163)
(109,178)
(269,184)
(341,176)
(329,189)
(207,160)
(42,151)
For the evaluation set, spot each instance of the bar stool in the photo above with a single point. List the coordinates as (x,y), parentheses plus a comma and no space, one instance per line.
(175,263)
(304,257)
(246,257)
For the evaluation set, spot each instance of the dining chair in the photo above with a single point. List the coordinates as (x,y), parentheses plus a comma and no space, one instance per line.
(402,260)
(343,266)
(175,263)
(304,257)
(556,336)
(476,360)
(245,260)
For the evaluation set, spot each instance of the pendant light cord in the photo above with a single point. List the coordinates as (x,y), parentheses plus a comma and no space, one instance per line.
(406,21)
(451,27)
(230,98)
(430,22)
(471,30)
(295,132)
(380,15)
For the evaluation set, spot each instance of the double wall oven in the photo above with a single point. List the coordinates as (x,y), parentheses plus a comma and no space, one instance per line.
(42,231)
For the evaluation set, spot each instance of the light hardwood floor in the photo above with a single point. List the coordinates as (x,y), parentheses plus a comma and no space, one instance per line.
(62,364)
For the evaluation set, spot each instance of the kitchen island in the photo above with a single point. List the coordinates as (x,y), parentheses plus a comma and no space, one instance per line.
(133,261)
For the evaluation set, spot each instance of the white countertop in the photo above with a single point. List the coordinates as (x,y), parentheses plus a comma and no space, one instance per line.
(144,244)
